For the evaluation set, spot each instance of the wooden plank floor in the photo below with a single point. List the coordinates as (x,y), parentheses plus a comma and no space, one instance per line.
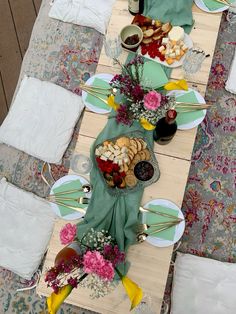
(16,22)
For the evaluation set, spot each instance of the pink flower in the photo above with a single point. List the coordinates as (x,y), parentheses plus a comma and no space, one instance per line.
(107,271)
(152,100)
(67,233)
(94,262)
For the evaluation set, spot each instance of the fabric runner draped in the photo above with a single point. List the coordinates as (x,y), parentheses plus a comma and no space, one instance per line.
(116,214)
(119,214)
(177,12)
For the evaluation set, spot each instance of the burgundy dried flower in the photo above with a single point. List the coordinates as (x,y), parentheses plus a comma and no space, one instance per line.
(73,282)
(137,93)
(113,254)
(123,115)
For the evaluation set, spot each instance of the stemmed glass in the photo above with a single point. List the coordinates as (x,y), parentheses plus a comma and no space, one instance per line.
(81,164)
(192,62)
(231,14)
(112,46)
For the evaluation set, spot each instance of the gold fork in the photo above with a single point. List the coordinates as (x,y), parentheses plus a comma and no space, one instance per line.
(226,2)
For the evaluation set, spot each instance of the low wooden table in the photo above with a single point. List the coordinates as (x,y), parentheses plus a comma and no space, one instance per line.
(149,264)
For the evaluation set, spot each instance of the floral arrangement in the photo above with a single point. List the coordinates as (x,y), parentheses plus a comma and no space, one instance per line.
(140,102)
(90,262)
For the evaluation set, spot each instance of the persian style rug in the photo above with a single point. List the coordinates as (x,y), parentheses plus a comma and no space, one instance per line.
(209,204)
(66,55)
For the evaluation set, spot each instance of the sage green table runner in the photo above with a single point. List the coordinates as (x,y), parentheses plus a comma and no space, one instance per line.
(116,214)
(178,12)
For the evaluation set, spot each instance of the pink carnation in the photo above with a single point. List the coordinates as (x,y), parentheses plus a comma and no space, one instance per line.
(94,262)
(107,271)
(152,100)
(68,233)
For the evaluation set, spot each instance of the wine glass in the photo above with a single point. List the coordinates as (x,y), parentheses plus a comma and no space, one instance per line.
(81,164)
(192,62)
(145,306)
(231,14)
(112,46)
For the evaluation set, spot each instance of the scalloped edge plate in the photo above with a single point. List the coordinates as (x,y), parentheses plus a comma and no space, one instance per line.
(63,180)
(179,228)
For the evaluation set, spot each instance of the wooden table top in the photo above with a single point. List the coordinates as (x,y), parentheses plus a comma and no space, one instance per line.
(149,264)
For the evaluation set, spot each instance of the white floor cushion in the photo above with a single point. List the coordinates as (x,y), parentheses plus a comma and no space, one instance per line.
(41,120)
(91,13)
(203,285)
(26,224)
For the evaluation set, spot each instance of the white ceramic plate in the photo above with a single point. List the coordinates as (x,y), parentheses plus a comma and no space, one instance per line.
(179,229)
(200,99)
(63,181)
(188,42)
(104,76)
(203,7)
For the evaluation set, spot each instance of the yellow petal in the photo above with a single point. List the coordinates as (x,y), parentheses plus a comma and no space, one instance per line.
(133,291)
(146,125)
(111,102)
(55,300)
(181,85)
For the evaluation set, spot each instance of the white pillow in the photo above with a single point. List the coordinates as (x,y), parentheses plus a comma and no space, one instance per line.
(41,119)
(91,13)
(203,285)
(26,225)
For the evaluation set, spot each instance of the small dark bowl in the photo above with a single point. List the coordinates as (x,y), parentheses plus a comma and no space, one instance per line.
(144,170)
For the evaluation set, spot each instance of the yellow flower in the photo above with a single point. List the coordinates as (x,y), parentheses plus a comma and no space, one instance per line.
(146,125)
(133,291)
(55,300)
(111,102)
(181,84)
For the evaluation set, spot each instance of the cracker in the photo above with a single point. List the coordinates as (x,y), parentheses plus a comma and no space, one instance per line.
(123,141)
(130,180)
(133,142)
(133,149)
(139,145)
(130,171)
(147,153)
(137,158)
(142,155)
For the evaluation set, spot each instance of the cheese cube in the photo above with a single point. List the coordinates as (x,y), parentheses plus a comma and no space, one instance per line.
(161,48)
(104,158)
(177,52)
(165,40)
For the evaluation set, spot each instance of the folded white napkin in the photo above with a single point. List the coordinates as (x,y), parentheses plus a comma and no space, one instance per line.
(230,85)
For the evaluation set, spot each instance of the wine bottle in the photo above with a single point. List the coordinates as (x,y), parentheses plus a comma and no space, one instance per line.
(166,128)
(136,6)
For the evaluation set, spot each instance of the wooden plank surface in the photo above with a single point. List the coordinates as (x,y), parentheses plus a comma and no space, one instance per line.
(203,35)
(156,260)
(24,15)
(149,264)
(180,147)
(10,60)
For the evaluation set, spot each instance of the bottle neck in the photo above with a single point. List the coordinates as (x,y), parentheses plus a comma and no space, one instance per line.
(171,116)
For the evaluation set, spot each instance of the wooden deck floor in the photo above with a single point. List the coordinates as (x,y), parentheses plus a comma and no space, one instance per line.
(16,22)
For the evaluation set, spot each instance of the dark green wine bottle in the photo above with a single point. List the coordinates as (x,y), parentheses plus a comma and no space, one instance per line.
(166,128)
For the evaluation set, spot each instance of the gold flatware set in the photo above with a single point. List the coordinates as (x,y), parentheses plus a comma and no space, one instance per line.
(158,227)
